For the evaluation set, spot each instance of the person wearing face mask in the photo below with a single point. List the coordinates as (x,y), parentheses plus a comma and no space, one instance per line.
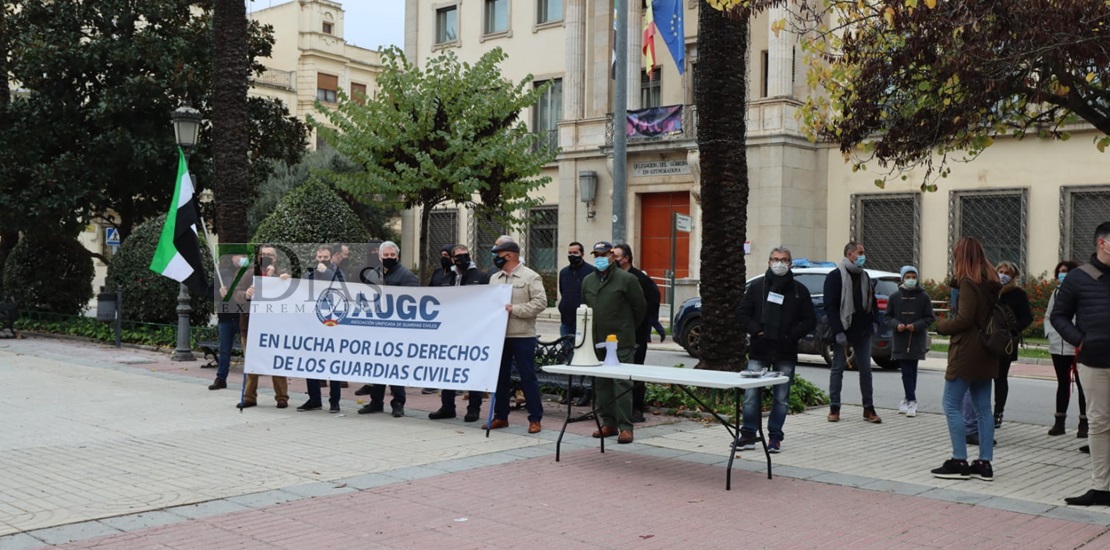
(622,255)
(391,273)
(619,308)
(1082,316)
(776,312)
(227,316)
(440,276)
(529,299)
(570,287)
(854,316)
(463,273)
(265,265)
(909,314)
(1063,357)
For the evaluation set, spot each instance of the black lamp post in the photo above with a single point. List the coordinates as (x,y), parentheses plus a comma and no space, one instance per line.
(186,128)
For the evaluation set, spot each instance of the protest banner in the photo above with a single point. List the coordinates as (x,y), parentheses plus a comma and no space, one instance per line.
(435,337)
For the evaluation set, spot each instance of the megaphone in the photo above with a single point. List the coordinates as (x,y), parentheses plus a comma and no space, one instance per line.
(584,355)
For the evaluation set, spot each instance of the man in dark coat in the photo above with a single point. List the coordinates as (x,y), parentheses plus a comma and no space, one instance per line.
(570,287)
(440,276)
(622,255)
(854,317)
(776,312)
(1085,296)
(463,273)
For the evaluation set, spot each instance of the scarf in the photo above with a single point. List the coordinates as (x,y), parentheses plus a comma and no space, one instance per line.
(847,304)
(771,317)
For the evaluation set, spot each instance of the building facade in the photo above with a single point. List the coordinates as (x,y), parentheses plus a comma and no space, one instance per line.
(1032,201)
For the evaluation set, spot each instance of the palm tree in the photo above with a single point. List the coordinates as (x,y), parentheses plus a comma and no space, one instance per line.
(230,119)
(720,86)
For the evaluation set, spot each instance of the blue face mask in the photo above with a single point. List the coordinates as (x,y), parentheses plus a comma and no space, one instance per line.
(601,263)
(860,260)
(1004,278)
(1061,276)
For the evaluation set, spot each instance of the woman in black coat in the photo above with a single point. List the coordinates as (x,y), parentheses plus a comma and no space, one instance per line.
(1014,297)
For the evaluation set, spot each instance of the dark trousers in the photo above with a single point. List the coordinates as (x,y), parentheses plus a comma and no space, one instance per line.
(447,400)
(639,389)
(1002,386)
(523,351)
(1062,365)
(377,394)
(334,389)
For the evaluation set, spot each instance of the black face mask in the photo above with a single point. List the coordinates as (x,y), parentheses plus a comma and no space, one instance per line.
(575,260)
(390,263)
(500,261)
(462,261)
(445,263)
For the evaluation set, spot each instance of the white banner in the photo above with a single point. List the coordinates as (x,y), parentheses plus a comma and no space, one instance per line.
(434,337)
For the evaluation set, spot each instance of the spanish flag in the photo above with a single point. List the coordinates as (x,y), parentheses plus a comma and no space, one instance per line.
(649,41)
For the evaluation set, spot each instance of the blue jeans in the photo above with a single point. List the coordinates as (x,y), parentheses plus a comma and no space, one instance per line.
(909,378)
(523,351)
(862,346)
(954,391)
(227,331)
(781,397)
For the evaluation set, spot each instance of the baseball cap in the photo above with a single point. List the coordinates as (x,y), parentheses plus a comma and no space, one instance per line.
(603,247)
(507,246)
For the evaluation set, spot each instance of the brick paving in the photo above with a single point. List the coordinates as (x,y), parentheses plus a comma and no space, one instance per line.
(106,448)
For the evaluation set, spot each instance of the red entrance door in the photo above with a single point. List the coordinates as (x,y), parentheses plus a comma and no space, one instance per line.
(656,215)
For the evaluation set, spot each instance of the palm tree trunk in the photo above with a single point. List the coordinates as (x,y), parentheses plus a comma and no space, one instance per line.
(233,189)
(720,93)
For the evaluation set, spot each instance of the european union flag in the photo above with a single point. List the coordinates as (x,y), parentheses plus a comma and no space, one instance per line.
(669,24)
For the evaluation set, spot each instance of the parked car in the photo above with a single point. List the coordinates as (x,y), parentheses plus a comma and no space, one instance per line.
(687,323)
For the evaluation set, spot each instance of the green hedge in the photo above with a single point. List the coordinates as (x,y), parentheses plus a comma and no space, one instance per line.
(803,394)
(50,274)
(147,334)
(311,213)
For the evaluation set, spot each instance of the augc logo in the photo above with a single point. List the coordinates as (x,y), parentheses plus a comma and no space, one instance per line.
(332,307)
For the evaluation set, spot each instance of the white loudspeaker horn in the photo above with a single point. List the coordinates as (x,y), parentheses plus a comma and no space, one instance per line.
(584,355)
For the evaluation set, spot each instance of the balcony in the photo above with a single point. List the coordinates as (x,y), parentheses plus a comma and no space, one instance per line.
(688,130)
(545,139)
(274,78)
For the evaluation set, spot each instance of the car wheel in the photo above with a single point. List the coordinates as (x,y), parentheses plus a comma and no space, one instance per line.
(827,355)
(886,363)
(691,337)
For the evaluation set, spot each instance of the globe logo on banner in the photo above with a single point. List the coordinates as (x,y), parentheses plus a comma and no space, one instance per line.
(331,307)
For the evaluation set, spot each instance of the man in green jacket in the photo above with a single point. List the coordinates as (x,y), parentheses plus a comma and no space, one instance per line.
(619,307)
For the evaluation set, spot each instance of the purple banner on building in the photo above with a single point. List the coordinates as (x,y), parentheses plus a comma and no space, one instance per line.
(655,121)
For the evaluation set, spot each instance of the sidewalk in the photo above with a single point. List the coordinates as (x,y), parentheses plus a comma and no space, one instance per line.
(125,449)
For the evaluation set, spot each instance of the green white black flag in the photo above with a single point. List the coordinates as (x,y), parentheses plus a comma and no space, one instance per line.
(178,253)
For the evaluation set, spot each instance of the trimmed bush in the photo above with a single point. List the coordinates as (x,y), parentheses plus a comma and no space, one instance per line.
(147,296)
(49,274)
(311,213)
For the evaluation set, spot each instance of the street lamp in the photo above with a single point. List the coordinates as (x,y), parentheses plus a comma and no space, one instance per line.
(186,128)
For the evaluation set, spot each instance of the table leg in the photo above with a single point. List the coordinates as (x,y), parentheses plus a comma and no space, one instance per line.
(735,444)
(570,403)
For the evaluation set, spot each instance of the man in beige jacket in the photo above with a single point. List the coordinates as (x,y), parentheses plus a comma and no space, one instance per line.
(529,300)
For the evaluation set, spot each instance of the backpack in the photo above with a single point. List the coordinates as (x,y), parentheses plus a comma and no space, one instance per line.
(1000,334)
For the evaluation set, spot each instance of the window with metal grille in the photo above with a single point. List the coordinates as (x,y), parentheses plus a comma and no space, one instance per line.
(1083,208)
(447,24)
(889,226)
(443,229)
(996,218)
(483,233)
(651,89)
(543,239)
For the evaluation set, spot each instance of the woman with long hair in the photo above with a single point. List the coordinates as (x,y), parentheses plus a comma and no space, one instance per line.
(1063,356)
(971,366)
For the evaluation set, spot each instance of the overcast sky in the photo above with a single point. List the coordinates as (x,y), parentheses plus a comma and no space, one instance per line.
(369,23)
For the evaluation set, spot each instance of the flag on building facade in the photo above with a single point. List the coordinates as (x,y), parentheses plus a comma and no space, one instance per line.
(649,41)
(178,253)
(669,23)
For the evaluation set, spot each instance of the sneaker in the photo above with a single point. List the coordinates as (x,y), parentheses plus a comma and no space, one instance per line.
(310,406)
(903,407)
(953,469)
(746,443)
(334,408)
(774,447)
(911,409)
(997,420)
(981,469)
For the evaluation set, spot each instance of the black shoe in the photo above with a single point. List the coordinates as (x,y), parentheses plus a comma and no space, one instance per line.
(472,415)
(997,420)
(981,469)
(334,408)
(323,383)
(953,469)
(565,399)
(638,417)
(219,384)
(1085,449)
(587,396)
(442,414)
(371,408)
(427,391)
(1092,497)
(365,390)
(310,406)
(398,410)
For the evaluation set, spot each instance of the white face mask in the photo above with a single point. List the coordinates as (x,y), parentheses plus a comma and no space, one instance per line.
(1003,278)
(910,283)
(780,268)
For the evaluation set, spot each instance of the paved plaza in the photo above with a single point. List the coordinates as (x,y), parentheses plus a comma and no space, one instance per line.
(106,448)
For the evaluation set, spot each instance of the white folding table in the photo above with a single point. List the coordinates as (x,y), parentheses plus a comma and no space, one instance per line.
(681,377)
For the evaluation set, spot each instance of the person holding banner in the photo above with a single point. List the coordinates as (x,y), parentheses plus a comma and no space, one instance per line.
(265,265)
(463,273)
(529,300)
(619,307)
(391,273)
(327,271)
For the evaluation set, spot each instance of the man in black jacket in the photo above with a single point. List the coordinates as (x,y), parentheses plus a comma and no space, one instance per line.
(776,312)
(440,276)
(1085,296)
(622,255)
(854,317)
(570,287)
(463,273)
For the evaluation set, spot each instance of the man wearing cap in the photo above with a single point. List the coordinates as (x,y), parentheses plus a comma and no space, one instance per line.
(528,301)
(619,307)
